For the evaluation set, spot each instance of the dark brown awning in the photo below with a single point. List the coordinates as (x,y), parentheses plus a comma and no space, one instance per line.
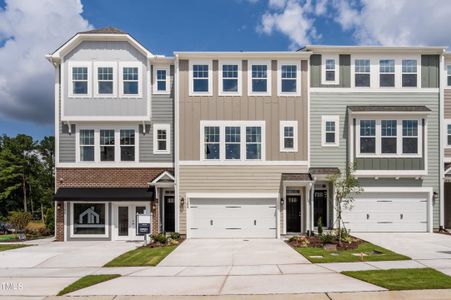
(389,108)
(296,177)
(324,171)
(105,194)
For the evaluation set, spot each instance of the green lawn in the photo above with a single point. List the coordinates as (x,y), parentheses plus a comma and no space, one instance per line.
(347,255)
(12,246)
(86,281)
(8,237)
(404,279)
(143,256)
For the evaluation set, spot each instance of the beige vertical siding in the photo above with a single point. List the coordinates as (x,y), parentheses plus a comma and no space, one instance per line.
(447,102)
(231,179)
(271,109)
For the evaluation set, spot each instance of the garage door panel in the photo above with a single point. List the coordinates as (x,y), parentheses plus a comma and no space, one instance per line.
(388,212)
(232,218)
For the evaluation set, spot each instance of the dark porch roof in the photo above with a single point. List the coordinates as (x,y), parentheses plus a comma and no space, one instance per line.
(324,171)
(105,194)
(296,177)
(389,108)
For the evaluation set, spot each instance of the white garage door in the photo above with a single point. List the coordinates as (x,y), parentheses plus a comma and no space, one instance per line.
(388,212)
(232,218)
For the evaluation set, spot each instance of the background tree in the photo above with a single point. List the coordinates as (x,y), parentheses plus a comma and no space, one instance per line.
(346,186)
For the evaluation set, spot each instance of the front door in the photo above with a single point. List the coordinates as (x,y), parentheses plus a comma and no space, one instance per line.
(293,213)
(125,220)
(320,207)
(169,214)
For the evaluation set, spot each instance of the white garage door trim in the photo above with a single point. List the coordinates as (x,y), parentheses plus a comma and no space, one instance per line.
(427,190)
(190,196)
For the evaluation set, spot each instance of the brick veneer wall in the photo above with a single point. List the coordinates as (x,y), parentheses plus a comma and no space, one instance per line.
(59,221)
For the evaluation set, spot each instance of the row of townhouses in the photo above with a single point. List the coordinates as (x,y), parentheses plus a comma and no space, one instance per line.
(242,144)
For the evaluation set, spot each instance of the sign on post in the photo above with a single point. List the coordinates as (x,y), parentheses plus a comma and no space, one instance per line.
(143,224)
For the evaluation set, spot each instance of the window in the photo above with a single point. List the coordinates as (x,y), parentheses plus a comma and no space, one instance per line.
(259,78)
(388,136)
(289,79)
(448,69)
(80,79)
(200,78)
(329,69)
(362,73)
(387,73)
(233,142)
(229,79)
(229,141)
(105,81)
(330,125)
(253,142)
(106,145)
(87,145)
(162,137)
(368,136)
(211,142)
(161,80)
(448,134)
(409,73)
(130,81)
(288,136)
(127,144)
(89,219)
(410,136)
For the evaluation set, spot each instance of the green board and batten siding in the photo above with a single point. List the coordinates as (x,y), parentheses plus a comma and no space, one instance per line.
(335,103)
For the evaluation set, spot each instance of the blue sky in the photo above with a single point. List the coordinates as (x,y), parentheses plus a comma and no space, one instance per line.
(29,29)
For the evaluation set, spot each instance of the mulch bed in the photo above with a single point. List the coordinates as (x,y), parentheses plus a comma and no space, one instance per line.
(315,241)
(159,245)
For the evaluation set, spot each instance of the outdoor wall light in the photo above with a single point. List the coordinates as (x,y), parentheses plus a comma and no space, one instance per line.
(58,206)
(281,201)
(182,201)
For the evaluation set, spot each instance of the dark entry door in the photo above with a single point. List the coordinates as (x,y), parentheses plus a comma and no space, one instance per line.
(293,213)
(169,214)
(320,207)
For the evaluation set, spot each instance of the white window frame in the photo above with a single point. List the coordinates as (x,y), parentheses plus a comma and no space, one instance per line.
(447,123)
(354,73)
(166,127)
(221,92)
(268,77)
(284,124)
(191,78)
(86,145)
(117,150)
(399,136)
(281,63)
(448,74)
(113,146)
(325,119)
(395,78)
(324,58)
(156,68)
(105,64)
(71,221)
(133,64)
(222,125)
(402,73)
(80,64)
(120,145)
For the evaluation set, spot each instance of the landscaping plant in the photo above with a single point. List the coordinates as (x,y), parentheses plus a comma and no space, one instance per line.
(19,220)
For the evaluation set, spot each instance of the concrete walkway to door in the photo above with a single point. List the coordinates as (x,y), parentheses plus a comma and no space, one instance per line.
(230,267)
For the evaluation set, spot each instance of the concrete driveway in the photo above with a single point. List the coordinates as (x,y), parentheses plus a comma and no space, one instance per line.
(47,267)
(230,267)
(430,249)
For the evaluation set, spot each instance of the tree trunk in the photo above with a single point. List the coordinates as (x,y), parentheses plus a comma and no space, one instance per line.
(24,189)
(31,199)
(42,213)
(339,223)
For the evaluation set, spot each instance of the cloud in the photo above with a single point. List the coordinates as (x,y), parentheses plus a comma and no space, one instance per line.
(400,22)
(29,30)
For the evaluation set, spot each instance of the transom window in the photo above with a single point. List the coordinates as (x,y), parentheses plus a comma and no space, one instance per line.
(387,72)
(127,139)
(200,78)
(230,78)
(259,78)
(211,142)
(330,126)
(130,80)
(362,73)
(387,137)
(409,73)
(288,78)
(232,140)
(80,80)
(161,133)
(86,145)
(288,136)
(106,145)
(105,80)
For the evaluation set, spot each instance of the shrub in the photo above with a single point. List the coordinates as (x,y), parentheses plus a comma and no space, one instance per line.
(160,238)
(327,238)
(320,226)
(293,239)
(174,236)
(50,220)
(19,220)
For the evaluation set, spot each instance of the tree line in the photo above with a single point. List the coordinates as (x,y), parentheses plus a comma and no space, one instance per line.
(26,175)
